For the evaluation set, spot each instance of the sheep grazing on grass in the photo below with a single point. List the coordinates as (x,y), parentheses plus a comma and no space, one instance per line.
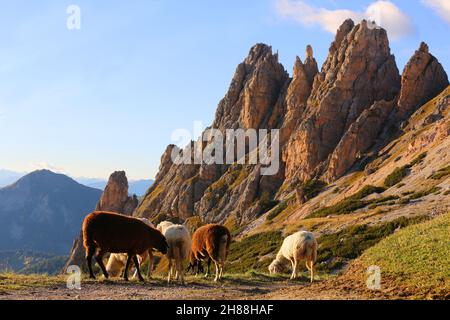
(299,246)
(117,261)
(115,233)
(211,242)
(179,241)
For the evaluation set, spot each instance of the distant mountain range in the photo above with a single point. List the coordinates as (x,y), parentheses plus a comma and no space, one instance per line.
(137,187)
(8,177)
(43,212)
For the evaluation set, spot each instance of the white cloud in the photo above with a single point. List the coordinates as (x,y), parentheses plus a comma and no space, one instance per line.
(441,7)
(384,13)
(47,166)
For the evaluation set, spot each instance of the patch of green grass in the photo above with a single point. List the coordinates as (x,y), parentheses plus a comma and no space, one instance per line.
(396,176)
(247,253)
(335,249)
(312,188)
(440,173)
(278,209)
(399,173)
(351,203)
(266,202)
(419,255)
(366,191)
(336,190)
(14,281)
(424,193)
(417,160)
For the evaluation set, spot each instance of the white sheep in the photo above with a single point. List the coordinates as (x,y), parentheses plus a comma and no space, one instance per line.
(296,247)
(179,240)
(117,261)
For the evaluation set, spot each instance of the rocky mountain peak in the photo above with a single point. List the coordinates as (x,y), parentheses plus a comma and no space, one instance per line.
(311,68)
(341,33)
(424,47)
(259,51)
(422,79)
(328,120)
(253,92)
(359,71)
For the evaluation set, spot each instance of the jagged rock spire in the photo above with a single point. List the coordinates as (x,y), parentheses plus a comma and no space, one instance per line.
(422,79)
(359,71)
(114,199)
(254,90)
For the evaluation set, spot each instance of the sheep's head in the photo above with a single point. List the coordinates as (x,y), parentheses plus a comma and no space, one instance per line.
(162,226)
(276,267)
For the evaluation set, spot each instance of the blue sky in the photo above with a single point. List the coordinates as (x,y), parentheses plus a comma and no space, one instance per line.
(108,96)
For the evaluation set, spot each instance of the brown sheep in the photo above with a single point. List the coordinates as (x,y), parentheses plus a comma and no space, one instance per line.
(211,242)
(115,233)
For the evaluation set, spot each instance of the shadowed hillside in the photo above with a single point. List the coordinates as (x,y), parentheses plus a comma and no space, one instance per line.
(43,212)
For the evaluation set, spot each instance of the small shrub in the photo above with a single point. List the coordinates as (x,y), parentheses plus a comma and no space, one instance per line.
(266,202)
(246,254)
(366,191)
(424,193)
(396,176)
(417,160)
(278,209)
(351,203)
(312,188)
(404,201)
(440,173)
(399,173)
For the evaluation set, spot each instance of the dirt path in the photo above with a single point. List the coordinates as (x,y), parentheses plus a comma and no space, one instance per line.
(194,289)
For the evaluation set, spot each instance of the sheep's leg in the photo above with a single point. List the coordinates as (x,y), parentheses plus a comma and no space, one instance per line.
(222,266)
(136,263)
(140,262)
(125,275)
(150,263)
(294,267)
(217,271)
(180,274)
(99,258)
(308,267)
(89,256)
(208,271)
(198,267)
(312,270)
(170,271)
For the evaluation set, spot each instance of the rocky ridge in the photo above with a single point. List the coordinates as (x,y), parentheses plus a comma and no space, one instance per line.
(331,122)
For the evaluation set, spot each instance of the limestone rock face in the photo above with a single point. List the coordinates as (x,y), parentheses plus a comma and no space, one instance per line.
(359,138)
(114,199)
(115,196)
(253,91)
(358,72)
(423,78)
(329,121)
(298,92)
(251,102)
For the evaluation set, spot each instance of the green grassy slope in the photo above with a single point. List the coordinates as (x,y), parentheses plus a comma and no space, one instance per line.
(417,256)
